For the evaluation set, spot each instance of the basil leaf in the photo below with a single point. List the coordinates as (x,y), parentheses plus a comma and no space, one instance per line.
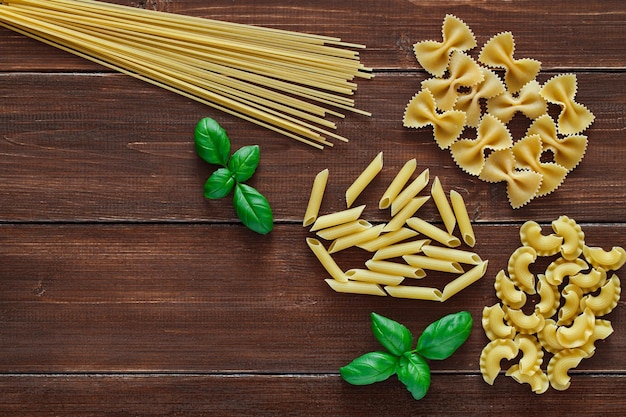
(444,336)
(414,373)
(395,337)
(369,368)
(244,161)
(253,209)
(219,184)
(212,143)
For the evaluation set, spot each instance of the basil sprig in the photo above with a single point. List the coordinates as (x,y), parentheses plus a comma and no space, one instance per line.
(439,341)
(213,146)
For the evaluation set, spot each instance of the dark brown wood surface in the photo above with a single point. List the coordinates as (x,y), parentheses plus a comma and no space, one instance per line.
(124,292)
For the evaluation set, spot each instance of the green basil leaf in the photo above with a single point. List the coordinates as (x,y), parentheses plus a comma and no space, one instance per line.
(253,209)
(444,336)
(244,161)
(414,373)
(219,184)
(395,337)
(369,368)
(212,143)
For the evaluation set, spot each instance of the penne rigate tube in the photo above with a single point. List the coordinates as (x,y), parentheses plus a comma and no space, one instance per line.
(326,260)
(400,180)
(463,281)
(433,264)
(395,268)
(450,254)
(345,229)
(400,249)
(336,218)
(355,287)
(443,206)
(462,218)
(407,211)
(364,179)
(365,275)
(414,292)
(387,239)
(433,232)
(349,241)
(411,190)
(315,198)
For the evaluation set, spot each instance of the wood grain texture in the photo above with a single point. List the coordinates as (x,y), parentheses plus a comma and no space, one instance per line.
(123,292)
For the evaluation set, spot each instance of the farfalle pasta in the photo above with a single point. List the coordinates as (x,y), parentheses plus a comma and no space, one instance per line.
(557,312)
(533,165)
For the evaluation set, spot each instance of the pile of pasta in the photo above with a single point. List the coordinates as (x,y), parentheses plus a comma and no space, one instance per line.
(463,93)
(399,254)
(573,293)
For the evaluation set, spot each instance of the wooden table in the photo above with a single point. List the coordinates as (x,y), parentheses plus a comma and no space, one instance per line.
(124,292)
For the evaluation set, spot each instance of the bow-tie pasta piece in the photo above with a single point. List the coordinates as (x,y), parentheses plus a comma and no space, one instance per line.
(561,90)
(522,185)
(463,72)
(568,151)
(434,56)
(528,101)
(527,153)
(469,154)
(490,87)
(421,111)
(498,52)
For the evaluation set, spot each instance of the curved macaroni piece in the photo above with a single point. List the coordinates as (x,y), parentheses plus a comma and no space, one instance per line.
(518,268)
(528,102)
(492,354)
(606,300)
(601,331)
(433,56)
(573,237)
(421,112)
(527,152)
(522,185)
(571,307)
(567,151)
(463,71)
(550,297)
(560,364)
(544,245)
(494,324)
(561,90)
(526,324)
(547,337)
(498,52)
(532,353)
(561,268)
(590,281)
(507,292)
(538,381)
(608,260)
(469,154)
(579,332)
(470,103)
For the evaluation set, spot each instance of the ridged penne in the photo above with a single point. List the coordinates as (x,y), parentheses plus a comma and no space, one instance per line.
(355,287)
(400,249)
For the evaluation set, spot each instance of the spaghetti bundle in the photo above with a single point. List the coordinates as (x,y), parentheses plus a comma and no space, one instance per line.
(286,81)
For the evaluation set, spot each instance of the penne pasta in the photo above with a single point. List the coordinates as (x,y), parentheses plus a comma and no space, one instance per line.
(443,206)
(462,218)
(340,230)
(407,211)
(336,218)
(410,192)
(387,239)
(433,264)
(413,292)
(355,287)
(365,275)
(326,260)
(364,179)
(402,177)
(463,281)
(400,249)
(349,241)
(433,232)
(395,268)
(315,199)
(450,254)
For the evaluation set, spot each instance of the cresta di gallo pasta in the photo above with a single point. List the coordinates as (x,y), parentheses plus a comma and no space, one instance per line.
(403,249)
(464,92)
(574,292)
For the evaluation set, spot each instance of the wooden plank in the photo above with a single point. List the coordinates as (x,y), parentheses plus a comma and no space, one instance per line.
(97,147)
(543,31)
(298,395)
(181,298)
